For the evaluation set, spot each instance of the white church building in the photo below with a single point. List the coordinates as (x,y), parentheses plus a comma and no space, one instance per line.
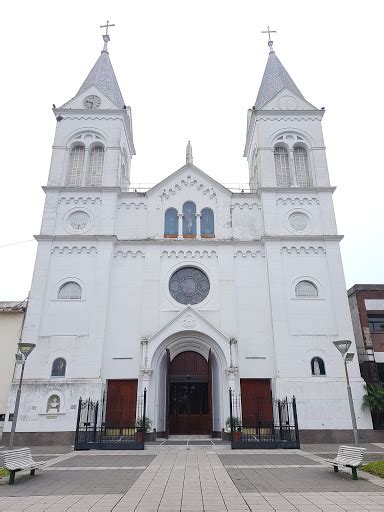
(187,289)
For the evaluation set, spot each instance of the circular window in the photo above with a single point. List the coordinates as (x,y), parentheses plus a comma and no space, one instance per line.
(299,221)
(78,220)
(189,285)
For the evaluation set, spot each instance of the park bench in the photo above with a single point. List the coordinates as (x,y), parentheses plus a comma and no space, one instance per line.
(19,460)
(348,456)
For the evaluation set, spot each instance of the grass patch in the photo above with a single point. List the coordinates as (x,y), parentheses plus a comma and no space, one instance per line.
(4,472)
(375,468)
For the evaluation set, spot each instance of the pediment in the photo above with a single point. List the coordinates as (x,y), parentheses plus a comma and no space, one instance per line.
(187,329)
(188,177)
(77,101)
(287,100)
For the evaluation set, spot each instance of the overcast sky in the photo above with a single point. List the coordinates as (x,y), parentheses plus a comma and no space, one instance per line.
(190,70)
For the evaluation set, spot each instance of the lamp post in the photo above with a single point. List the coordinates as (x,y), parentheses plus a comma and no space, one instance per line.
(343,347)
(24,350)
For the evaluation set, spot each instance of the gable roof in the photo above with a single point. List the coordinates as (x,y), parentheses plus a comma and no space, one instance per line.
(275,79)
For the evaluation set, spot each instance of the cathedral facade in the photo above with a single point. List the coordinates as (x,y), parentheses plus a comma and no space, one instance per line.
(187,289)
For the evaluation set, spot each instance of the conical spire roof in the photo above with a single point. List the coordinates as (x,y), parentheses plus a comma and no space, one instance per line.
(103,77)
(275,79)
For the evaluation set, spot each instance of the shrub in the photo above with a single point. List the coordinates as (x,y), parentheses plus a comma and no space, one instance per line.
(375,468)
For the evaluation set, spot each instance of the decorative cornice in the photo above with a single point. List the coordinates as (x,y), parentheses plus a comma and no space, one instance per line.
(248,205)
(315,238)
(125,253)
(299,200)
(188,254)
(303,250)
(80,200)
(132,205)
(60,188)
(66,249)
(188,182)
(246,254)
(297,190)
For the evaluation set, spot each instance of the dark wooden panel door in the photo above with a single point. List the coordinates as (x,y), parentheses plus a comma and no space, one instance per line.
(256,402)
(121,402)
(189,391)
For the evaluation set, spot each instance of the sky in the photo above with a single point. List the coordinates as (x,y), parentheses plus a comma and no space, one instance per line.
(190,70)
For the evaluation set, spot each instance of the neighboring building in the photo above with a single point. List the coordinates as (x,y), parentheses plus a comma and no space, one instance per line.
(11,320)
(187,289)
(366,302)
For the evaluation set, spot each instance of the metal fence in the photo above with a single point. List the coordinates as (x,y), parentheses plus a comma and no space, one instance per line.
(263,423)
(93,433)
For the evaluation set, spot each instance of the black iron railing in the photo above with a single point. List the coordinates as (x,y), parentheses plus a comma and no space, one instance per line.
(93,433)
(257,422)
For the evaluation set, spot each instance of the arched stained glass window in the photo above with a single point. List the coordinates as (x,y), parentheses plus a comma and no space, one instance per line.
(317,366)
(70,290)
(283,178)
(171,223)
(300,158)
(207,226)
(305,290)
(58,367)
(189,220)
(75,168)
(95,166)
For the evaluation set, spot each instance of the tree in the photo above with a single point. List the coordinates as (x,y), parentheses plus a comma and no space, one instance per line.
(374,400)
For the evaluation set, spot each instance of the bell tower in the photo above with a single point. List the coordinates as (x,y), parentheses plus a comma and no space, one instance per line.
(93,144)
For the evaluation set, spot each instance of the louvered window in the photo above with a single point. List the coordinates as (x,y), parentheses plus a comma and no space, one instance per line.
(76,164)
(70,290)
(300,157)
(282,167)
(306,289)
(95,166)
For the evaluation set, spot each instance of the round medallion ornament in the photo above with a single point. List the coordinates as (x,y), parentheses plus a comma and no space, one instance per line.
(189,285)
(299,221)
(78,220)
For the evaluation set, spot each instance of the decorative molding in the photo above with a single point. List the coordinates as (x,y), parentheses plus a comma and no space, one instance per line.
(127,252)
(188,182)
(80,200)
(93,118)
(303,250)
(284,118)
(248,253)
(189,322)
(231,371)
(146,372)
(243,205)
(132,205)
(189,254)
(65,249)
(297,200)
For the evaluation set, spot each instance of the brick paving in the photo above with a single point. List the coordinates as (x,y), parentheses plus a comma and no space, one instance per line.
(191,478)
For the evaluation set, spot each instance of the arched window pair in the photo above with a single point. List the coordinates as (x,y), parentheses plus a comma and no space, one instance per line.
(70,291)
(94,166)
(189,222)
(59,366)
(301,167)
(317,367)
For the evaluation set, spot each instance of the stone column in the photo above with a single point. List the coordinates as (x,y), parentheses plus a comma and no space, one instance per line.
(198,216)
(292,168)
(180,215)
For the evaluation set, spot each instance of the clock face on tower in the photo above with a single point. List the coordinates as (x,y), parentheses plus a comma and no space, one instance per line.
(78,220)
(92,102)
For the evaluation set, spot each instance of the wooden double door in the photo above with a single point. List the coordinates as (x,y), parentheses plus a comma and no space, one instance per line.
(189,394)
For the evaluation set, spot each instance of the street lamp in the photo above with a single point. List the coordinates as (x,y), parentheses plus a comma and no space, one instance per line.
(24,350)
(343,347)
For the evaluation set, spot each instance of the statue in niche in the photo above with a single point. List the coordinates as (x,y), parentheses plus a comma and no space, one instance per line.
(53,405)
(316,367)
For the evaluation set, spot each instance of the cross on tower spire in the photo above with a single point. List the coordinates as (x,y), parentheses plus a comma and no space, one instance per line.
(270,42)
(106,37)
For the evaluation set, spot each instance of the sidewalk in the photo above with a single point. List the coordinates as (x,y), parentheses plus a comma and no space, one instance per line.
(193,478)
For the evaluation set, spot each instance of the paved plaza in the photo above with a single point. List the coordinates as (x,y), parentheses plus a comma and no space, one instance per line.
(192,476)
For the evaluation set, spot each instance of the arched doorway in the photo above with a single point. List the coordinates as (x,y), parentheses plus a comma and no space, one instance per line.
(189,394)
